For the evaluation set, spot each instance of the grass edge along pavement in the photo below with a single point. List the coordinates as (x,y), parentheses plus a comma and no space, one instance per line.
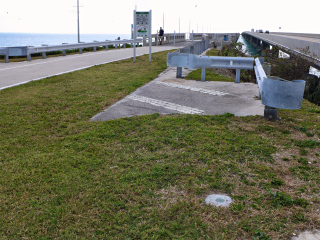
(63,176)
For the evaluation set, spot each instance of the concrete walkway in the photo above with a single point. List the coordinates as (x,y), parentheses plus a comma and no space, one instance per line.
(168,94)
(16,73)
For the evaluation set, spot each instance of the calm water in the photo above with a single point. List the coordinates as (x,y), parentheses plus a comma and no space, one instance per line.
(38,39)
(251,52)
(247,47)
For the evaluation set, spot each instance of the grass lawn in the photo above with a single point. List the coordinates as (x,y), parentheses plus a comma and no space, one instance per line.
(211,73)
(64,177)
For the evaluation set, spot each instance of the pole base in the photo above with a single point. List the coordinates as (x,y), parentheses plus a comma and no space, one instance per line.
(270,113)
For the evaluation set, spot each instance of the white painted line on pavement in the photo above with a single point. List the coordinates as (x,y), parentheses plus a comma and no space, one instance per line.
(167,105)
(13,85)
(201,90)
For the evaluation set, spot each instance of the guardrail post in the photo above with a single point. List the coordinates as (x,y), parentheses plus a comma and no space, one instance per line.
(80,50)
(94,49)
(44,55)
(6,57)
(270,113)
(64,53)
(107,47)
(179,72)
(238,76)
(203,75)
(29,57)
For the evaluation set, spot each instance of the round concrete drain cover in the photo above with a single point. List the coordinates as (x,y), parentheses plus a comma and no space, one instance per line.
(218,200)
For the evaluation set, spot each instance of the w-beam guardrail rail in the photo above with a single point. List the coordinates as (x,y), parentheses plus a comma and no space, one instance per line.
(28,50)
(192,61)
(278,93)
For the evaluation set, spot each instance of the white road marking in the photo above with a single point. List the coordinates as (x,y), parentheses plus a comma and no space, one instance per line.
(201,90)
(167,105)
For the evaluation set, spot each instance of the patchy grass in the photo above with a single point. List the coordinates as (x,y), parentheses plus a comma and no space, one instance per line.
(211,75)
(146,177)
(221,75)
(213,52)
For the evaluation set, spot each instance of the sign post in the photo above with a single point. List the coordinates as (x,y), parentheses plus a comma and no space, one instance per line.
(142,28)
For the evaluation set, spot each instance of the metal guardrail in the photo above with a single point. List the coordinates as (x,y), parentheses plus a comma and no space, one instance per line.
(197,47)
(260,74)
(278,93)
(192,61)
(168,38)
(28,50)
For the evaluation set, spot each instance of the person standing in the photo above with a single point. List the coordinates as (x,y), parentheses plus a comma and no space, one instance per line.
(161,35)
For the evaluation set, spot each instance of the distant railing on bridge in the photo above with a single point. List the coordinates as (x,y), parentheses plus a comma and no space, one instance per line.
(290,45)
(28,50)
(180,37)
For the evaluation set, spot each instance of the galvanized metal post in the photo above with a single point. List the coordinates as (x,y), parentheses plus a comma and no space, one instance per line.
(203,75)
(270,113)
(179,72)
(134,35)
(78,21)
(238,76)
(150,36)
(44,56)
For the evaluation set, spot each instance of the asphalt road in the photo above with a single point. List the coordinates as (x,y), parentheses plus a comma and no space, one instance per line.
(16,73)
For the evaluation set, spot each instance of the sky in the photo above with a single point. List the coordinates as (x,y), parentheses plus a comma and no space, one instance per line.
(116,17)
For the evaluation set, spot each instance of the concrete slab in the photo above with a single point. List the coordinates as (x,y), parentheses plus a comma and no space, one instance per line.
(308,235)
(168,94)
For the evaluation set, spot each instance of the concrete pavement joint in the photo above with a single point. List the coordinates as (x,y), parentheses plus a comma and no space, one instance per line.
(167,105)
(202,90)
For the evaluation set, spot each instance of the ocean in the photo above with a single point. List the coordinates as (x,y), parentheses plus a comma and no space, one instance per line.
(38,39)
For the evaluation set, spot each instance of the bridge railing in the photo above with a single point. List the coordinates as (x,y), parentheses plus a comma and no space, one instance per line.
(28,50)
(290,45)
(168,38)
